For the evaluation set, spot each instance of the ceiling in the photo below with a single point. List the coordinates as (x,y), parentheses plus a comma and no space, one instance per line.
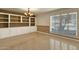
(34,10)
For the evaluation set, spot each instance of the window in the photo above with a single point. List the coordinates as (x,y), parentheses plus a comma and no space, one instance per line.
(64,24)
(55,23)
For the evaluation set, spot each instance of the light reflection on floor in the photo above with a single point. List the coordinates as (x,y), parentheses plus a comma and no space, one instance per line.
(60,45)
(38,41)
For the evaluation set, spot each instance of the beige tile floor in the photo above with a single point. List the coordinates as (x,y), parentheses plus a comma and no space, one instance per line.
(38,41)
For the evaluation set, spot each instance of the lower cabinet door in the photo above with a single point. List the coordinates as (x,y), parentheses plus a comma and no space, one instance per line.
(33,29)
(8,32)
(4,32)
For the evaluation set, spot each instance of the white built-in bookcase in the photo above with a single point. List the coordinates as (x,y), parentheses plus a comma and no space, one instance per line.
(12,25)
(12,20)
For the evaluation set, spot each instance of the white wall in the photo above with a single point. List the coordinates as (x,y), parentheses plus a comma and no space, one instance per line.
(43,19)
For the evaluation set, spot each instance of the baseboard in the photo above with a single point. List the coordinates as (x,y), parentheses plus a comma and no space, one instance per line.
(74,39)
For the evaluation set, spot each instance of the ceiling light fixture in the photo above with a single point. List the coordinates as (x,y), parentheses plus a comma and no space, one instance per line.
(29,14)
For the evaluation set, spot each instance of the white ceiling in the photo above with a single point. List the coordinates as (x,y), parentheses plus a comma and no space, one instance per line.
(34,10)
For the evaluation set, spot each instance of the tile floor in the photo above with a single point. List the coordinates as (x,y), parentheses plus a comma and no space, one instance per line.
(38,41)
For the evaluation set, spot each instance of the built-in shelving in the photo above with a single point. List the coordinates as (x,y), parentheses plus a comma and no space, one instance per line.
(3,18)
(15,18)
(25,19)
(3,25)
(3,21)
(18,25)
(32,21)
(32,24)
(12,20)
(12,25)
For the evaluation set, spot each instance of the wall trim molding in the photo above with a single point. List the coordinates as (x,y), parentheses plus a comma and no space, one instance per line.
(43,25)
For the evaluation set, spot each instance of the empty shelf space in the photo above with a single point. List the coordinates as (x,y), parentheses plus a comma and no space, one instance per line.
(19,24)
(3,25)
(32,24)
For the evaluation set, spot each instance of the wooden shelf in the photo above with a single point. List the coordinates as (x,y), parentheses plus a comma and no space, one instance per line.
(3,25)
(32,24)
(3,22)
(32,20)
(15,22)
(3,18)
(25,19)
(3,15)
(25,22)
(19,24)
(15,18)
